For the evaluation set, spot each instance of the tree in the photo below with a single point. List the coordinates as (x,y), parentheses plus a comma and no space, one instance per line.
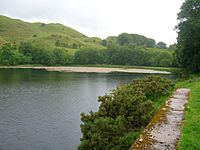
(62,57)
(150,43)
(89,56)
(161,45)
(173,46)
(9,55)
(135,40)
(26,49)
(42,56)
(188,47)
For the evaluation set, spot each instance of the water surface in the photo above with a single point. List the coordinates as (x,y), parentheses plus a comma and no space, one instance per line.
(40,110)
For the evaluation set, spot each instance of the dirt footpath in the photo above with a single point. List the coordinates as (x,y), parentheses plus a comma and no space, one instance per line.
(163,132)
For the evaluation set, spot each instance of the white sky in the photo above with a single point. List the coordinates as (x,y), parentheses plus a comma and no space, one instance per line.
(152,18)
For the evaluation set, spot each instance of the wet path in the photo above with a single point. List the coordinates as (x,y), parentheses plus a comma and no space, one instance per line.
(163,131)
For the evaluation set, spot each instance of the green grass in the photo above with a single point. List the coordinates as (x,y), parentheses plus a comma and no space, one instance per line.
(190,133)
(43,35)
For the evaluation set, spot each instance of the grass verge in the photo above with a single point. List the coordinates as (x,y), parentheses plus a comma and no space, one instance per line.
(190,132)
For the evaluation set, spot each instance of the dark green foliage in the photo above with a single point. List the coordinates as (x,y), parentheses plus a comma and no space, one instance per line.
(124,55)
(75,46)
(173,46)
(135,40)
(9,55)
(188,48)
(36,55)
(62,57)
(43,24)
(150,43)
(161,45)
(27,54)
(26,48)
(89,56)
(138,56)
(154,86)
(127,55)
(160,58)
(122,114)
(104,42)
(43,56)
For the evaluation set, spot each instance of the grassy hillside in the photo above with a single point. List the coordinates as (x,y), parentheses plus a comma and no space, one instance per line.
(44,35)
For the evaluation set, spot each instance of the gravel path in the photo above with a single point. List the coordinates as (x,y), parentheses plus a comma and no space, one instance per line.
(163,132)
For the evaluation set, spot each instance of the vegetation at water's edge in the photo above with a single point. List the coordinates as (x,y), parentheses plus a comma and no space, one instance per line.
(123,114)
(26,53)
(191,125)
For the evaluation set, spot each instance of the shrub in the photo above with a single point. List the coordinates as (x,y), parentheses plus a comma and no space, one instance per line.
(122,114)
(154,86)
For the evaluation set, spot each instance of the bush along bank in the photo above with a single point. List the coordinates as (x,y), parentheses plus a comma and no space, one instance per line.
(123,114)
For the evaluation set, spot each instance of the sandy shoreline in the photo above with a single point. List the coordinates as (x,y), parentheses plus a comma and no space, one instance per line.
(91,69)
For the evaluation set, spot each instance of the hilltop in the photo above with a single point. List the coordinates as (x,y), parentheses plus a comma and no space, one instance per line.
(43,35)
(56,35)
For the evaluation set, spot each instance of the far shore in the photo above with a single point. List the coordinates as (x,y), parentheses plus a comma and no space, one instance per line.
(91,69)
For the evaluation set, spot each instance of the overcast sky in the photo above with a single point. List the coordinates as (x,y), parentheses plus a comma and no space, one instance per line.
(153,18)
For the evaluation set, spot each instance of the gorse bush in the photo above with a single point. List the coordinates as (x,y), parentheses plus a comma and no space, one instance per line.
(153,86)
(122,114)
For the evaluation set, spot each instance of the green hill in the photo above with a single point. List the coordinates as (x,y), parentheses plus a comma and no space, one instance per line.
(44,35)
(55,43)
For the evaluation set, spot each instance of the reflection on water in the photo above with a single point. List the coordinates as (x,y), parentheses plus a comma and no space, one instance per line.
(41,110)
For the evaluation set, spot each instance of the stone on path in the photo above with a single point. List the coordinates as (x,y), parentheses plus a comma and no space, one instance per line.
(163,132)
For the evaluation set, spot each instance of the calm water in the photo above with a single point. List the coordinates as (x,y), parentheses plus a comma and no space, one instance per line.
(40,110)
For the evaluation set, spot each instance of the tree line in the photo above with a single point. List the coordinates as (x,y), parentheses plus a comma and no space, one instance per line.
(125,55)
(26,53)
